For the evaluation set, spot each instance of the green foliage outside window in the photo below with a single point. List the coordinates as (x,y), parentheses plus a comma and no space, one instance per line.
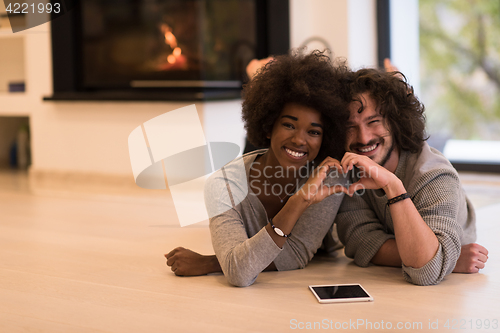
(460,67)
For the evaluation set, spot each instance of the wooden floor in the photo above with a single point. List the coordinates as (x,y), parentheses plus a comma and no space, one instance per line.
(93,262)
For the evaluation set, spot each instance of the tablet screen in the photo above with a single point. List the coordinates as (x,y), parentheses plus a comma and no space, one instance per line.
(344,291)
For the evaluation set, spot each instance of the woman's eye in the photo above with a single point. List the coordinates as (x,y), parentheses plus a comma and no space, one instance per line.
(316,133)
(288,125)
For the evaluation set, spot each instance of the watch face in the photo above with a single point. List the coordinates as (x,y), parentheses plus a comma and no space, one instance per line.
(279,232)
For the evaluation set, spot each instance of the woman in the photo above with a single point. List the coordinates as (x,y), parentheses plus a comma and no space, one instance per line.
(294,106)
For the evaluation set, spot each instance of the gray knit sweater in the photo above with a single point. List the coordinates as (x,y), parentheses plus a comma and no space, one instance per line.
(242,244)
(364,222)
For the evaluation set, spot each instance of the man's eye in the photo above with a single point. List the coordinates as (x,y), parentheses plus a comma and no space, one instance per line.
(373,121)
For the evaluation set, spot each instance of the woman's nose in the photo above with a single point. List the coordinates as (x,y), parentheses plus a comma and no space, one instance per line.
(299,138)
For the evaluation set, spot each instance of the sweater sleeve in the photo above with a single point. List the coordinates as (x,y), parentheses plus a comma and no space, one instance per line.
(436,197)
(360,230)
(241,257)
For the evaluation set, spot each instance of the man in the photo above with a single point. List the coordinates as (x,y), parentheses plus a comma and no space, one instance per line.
(411,211)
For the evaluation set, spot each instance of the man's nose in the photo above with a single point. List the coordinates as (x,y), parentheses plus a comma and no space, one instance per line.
(363,135)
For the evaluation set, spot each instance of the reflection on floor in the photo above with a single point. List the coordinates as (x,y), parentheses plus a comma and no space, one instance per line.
(13,180)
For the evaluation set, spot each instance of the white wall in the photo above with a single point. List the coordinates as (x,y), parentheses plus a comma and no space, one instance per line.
(405,44)
(362,33)
(348,26)
(322,18)
(91,137)
(222,122)
(88,137)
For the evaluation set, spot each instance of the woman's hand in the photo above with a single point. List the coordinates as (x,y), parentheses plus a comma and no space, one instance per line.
(185,262)
(314,190)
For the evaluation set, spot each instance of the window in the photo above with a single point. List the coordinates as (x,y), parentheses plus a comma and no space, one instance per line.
(460,79)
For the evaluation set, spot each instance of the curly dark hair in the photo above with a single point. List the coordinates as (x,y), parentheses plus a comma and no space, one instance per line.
(310,80)
(397,103)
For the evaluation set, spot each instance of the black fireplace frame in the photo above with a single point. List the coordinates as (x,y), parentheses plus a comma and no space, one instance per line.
(273,36)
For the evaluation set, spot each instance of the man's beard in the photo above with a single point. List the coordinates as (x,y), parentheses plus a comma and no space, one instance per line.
(388,155)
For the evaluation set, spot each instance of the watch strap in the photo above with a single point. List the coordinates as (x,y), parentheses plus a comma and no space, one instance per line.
(278,231)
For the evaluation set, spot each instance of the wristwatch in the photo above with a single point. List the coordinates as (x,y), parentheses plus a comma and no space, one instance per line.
(278,231)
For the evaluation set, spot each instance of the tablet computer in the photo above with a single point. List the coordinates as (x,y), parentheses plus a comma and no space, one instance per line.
(336,293)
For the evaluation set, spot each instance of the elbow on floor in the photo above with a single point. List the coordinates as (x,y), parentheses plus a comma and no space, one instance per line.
(423,281)
(239,281)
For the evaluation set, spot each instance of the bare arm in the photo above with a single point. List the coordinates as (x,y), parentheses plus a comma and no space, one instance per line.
(416,242)
(388,255)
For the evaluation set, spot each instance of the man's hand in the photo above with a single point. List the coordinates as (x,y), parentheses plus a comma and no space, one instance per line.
(389,67)
(371,175)
(185,262)
(254,65)
(472,258)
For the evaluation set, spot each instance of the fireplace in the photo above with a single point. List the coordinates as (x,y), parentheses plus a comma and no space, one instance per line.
(163,49)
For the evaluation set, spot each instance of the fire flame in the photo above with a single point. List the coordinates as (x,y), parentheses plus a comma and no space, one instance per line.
(170,39)
(176,57)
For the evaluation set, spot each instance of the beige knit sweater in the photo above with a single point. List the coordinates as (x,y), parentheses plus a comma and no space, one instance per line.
(364,222)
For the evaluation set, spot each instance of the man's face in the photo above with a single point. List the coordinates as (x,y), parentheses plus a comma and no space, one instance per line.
(368,133)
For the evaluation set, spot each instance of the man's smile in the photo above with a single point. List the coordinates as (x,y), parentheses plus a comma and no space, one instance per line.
(367,149)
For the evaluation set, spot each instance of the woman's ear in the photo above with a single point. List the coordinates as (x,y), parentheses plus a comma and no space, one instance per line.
(268,136)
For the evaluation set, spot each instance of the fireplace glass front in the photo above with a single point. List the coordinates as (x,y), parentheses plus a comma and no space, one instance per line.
(169,43)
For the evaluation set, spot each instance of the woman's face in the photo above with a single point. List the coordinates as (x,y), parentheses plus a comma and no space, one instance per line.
(296,135)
